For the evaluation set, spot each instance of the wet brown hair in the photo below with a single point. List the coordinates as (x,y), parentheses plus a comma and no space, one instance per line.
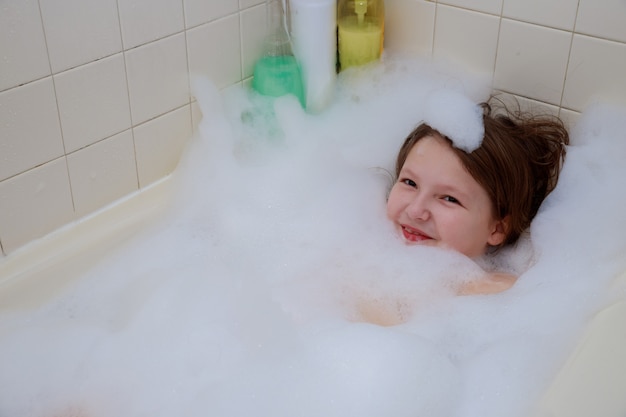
(518,162)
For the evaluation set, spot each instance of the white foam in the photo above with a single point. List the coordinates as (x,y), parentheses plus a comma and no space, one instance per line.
(240,300)
(457,117)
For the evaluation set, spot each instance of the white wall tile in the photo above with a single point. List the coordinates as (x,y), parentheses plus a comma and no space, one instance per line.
(157,77)
(517,103)
(29,127)
(253,31)
(559,14)
(159,144)
(94,99)
(102,173)
(532,60)
(93,102)
(597,70)
(605,18)
(487,6)
(198,12)
(23,55)
(143,21)
(409,27)
(570,118)
(34,203)
(209,57)
(80,31)
(475,46)
(243,4)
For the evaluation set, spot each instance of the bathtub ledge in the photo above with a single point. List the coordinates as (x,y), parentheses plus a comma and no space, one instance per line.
(46,265)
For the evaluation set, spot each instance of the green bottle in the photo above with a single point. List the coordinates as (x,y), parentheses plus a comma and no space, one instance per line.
(277,72)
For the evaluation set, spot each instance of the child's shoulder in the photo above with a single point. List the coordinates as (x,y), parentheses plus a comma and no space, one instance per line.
(490,283)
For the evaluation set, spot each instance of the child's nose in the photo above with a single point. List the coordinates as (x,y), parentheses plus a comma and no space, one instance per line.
(418,208)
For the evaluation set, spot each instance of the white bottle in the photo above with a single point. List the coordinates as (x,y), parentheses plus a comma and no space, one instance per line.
(314,37)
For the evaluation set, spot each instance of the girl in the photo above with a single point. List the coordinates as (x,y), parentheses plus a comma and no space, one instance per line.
(480,201)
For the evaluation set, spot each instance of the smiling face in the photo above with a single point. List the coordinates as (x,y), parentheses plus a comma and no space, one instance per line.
(437,202)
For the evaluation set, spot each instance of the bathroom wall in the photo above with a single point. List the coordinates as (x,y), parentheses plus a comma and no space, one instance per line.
(95,99)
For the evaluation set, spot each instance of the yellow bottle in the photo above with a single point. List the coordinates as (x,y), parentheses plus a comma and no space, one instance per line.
(361,27)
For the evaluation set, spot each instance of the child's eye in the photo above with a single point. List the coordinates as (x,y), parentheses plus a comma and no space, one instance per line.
(451,199)
(408,182)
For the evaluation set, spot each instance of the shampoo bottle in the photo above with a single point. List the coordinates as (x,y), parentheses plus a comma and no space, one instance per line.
(361,26)
(314,36)
(277,72)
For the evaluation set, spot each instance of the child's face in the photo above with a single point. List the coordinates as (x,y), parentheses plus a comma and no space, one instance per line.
(437,202)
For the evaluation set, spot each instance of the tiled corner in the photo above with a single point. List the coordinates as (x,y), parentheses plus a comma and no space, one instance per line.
(198,12)
(30,134)
(102,173)
(475,46)
(196,116)
(253,30)
(597,70)
(208,55)
(93,102)
(143,21)
(159,144)
(246,83)
(605,19)
(34,203)
(24,57)
(485,6)
(157,77)
(560,14)
(570,118)
(532,60)
(80,31)
(409,27)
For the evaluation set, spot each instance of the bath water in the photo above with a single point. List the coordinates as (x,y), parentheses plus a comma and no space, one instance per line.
(241,299)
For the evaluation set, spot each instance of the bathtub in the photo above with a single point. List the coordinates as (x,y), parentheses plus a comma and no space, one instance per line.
(44,267)
(591,382)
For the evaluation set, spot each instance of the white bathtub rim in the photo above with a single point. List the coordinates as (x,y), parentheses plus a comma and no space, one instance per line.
(592,380)
(116,220)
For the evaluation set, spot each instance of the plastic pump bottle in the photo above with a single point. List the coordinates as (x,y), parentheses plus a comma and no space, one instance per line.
(361,27)
(277,72)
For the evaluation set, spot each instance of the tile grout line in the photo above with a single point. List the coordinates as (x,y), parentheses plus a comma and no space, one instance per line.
(495,58)
(241,48)
(569,57)
(56,100)
(130,110)
(432,43)
(189,92)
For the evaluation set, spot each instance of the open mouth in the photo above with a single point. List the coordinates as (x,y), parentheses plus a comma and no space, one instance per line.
(414,235)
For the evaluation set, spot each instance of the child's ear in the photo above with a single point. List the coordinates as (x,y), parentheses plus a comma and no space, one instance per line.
(499,232)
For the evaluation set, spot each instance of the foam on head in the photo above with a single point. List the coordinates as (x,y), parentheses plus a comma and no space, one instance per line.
(457,117)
